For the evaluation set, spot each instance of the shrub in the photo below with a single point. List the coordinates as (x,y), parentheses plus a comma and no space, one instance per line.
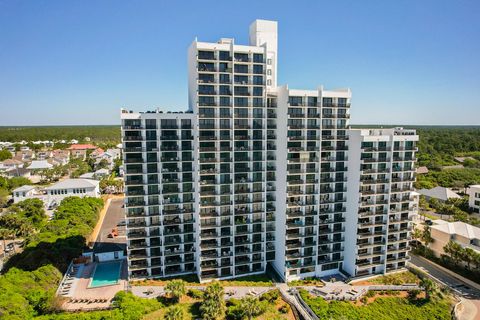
(284,309)
(270,296)
(195,293)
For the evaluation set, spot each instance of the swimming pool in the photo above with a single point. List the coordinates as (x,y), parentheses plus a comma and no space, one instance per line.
(106,274)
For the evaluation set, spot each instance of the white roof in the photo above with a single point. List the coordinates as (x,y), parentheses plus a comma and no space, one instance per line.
(73,183)
(102,171)
(24,188)
(459,228)
(40,164)
(88,175)
(439,193)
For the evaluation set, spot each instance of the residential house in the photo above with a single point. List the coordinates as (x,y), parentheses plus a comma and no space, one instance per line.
(37,166)
(440,193)
(462,233)
(10,163)
(25,155)
(80,150)
(54,194)
(17,172)
(25,192)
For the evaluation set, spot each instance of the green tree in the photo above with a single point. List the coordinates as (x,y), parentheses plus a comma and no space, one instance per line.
(5,154)
(427,236)
(3,197)
(454,251)
(213,305)
(251,307)
(468,256)
(428,285)
(176,289)
(174,313)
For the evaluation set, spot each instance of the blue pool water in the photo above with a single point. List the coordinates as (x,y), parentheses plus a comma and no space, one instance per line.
(106,274)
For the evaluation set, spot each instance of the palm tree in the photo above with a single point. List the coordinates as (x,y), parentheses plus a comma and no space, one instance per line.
(476,260)
(176,289)
(468,255)
(454,250)
(213,305)
(251,307)
(209,310)
(174,313)
(428,285)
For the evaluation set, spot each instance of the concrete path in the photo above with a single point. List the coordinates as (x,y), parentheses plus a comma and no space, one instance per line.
(292,300)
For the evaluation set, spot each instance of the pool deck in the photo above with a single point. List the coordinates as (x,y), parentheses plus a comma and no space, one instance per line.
(81,291)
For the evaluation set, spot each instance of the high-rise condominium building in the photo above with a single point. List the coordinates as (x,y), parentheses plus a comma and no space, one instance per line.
(256,176)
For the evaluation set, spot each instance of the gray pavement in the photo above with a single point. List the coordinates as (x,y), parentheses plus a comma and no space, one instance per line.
(470,297)
(460,287)
(113,216)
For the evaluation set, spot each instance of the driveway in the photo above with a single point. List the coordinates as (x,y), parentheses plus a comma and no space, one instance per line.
(115,213)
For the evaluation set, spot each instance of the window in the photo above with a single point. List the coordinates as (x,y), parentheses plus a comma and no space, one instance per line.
(269,82)
(269,72)
(224,55)
(269,61)
(225,90)
(257,69)
(258,57)
(225,101)
(295,101)
(241,68)
(257,91)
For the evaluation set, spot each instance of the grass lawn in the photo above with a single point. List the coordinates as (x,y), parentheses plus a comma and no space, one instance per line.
(391,279)
(191,311)
(382,308)
(260,280)
(306,282)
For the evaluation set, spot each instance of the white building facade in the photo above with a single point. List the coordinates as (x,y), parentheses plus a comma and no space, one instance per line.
(474,198)
(253,176)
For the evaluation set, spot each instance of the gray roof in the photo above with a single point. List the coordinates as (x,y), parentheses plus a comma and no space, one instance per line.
(24,188)
(88,175)
(73,183)
(40,164)
(440,193)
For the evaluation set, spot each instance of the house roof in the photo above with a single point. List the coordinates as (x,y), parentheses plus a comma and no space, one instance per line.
(39,164)
(24,188)
(11,162)
(81,147)
(102,171)
(88,175)
(440,193)
(459,228)
(17,171)
(73,183)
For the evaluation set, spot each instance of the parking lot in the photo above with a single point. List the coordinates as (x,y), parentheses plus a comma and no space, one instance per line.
(110,226)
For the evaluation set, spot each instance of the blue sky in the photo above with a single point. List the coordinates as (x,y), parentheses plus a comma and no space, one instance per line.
(79,62)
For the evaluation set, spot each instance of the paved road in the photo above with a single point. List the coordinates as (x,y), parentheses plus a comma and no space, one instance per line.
(462,288)
(470,296)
